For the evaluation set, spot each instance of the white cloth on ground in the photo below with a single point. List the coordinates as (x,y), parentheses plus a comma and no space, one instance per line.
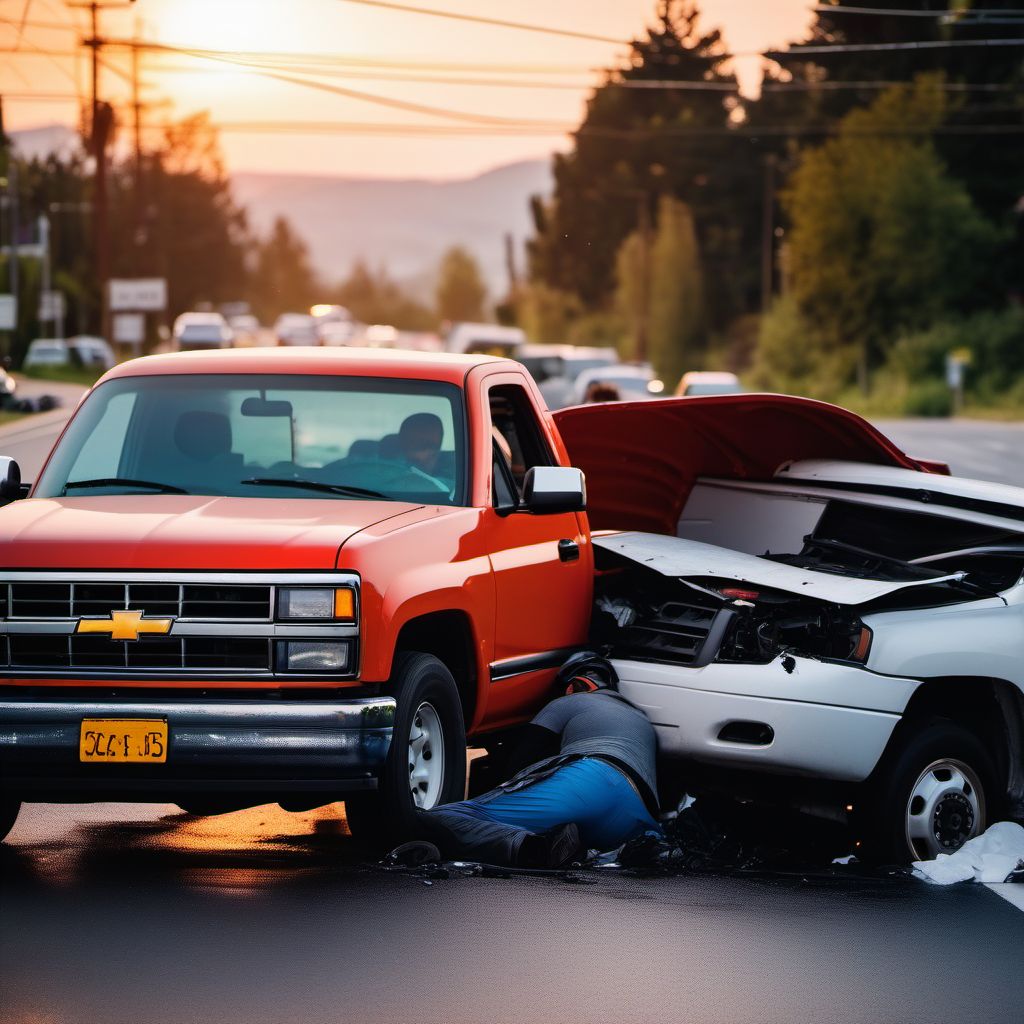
(990,857)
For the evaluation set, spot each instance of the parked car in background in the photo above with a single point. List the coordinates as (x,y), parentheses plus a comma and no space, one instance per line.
(337,332)
(556,367)
(708,382)
(484,339)
(633,382)
(329,313)
(296,329)
(196,331)
(89,350)
(246,330)
(46,352)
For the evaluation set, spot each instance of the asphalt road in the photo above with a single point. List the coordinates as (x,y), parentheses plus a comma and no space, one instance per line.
(263,916)
(125,913)
(973,448)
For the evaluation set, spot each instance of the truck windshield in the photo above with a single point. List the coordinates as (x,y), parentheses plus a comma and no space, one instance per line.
(248,435)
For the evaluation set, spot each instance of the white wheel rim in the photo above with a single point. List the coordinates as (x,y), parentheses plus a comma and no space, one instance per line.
(946,808)
(426,756)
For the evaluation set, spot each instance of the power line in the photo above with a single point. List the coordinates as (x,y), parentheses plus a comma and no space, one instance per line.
(387,101)
(927,44)
(967,14)
(480,20)
(741,132)
(329,60)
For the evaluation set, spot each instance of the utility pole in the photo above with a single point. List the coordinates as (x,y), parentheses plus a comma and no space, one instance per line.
(100,130)
(643,312)
(768,233)
(10,175)
(137,133)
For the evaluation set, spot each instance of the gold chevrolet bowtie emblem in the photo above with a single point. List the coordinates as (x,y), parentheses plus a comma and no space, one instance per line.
(125,625)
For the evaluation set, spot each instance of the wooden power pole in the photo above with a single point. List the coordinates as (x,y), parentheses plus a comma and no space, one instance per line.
(100,130)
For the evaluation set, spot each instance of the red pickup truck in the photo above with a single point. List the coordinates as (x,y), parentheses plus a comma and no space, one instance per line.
(289,575)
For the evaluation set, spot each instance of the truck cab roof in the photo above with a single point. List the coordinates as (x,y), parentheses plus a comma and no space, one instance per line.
(368,362)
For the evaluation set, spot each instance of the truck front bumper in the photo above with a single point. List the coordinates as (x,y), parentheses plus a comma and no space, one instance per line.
(267,748)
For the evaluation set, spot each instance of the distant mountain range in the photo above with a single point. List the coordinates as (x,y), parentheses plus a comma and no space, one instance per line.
(403,225)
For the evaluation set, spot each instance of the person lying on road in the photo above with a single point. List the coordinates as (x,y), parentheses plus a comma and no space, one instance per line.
(589,782)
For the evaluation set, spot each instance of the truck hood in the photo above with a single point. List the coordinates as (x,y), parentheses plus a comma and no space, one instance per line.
(641,459)
(149,531)
(679,558)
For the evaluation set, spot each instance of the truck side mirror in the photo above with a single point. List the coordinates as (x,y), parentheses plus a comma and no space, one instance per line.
(10,480)
(550,489)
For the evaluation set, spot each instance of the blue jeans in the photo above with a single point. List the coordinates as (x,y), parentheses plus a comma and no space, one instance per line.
(590,792)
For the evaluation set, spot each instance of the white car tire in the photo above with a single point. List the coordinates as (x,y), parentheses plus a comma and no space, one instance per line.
(937,789)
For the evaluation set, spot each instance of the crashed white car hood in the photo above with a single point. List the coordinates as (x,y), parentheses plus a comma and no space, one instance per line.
(680,558)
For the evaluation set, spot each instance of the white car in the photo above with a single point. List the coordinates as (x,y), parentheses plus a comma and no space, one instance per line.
(296,329)
(556,367)
(810,616)
(633,382)
(197,331)
(708,382)
(89,350)
(46,352)
(245,329)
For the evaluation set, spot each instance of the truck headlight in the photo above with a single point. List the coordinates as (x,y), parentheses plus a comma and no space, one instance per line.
(315,655)
(333,604)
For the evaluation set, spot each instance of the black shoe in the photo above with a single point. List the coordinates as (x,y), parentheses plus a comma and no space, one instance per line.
(552,849)
(414,854)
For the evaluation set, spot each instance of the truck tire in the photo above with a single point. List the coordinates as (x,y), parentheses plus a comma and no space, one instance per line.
(8,816)
(937,790)
(426,764)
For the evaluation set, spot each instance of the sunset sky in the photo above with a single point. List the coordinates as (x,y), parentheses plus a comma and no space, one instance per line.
(387,54)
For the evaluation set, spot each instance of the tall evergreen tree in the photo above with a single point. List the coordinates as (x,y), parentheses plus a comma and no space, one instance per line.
(636,144)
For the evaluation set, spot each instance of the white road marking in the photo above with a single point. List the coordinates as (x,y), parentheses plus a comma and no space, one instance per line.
(1011,891)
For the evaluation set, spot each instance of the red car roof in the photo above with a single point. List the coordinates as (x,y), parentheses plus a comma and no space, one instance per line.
(366,362)
(641,459)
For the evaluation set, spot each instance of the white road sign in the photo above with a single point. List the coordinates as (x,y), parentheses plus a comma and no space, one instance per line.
(51,306)
(144,294)
(129,328)
(8,312)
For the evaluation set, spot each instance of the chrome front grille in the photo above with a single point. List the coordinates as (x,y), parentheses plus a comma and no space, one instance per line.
(236,602)
(222,625)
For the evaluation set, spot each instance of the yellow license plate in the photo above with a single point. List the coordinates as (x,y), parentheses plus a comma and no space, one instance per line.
(119,740)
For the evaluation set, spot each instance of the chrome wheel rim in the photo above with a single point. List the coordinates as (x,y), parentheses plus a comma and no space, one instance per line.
(946,808)
(426,756)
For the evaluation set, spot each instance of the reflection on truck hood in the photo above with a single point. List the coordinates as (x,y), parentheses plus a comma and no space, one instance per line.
(679,558)
(188,532)
(641,458)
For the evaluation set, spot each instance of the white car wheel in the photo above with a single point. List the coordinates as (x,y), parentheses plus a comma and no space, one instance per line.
(946,808)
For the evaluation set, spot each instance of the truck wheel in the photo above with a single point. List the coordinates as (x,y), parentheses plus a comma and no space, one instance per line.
(939,790)
(426,764)
(8,816)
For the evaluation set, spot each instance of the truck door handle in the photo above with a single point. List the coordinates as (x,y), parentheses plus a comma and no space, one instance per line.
(568,550)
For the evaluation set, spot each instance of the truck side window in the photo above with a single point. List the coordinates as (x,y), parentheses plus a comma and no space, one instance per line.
(514,421)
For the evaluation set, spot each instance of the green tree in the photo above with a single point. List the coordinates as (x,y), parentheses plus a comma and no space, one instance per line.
(980,143)
(374,298)
(882,239)
(283,278)
(460,289)
(677,318)
(637,143)
(660,292)
(180,221)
